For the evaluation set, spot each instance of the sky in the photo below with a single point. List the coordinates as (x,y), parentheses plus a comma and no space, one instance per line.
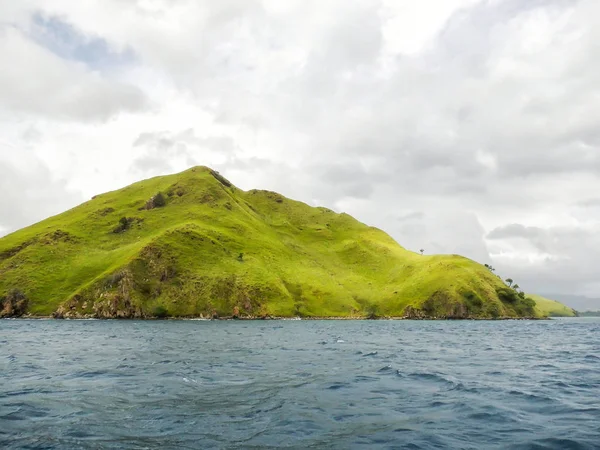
(457,126)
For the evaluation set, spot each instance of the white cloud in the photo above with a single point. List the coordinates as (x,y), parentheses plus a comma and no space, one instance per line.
(438,121)
(35,81)
(30,192)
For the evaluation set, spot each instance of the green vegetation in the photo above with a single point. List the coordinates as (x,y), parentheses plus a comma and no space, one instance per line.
(160,312)
(552,308)
(159,200)
(192,244)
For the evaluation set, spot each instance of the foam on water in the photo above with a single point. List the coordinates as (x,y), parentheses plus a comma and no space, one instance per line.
(393,384)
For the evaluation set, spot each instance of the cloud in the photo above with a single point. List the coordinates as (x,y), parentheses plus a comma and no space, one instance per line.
(515,230)
(590,203)
(36,81)
(458,126)
(32,184)
(163,151)
(557,259)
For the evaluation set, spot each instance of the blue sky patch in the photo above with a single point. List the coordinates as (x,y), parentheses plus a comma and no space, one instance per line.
(66,41)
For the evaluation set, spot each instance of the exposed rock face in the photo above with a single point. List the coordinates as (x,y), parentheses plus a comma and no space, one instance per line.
(116,307)
(150,204)
(107,308)
(14,304)
(414,313)
(450,311)
(458,311)
(104,304)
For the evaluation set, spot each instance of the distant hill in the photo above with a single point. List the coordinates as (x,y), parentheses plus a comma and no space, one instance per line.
(589,313)
(552,308)
(192,244)
(578,302)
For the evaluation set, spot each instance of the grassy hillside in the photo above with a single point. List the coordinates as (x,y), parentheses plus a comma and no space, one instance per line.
(213,249)
(552,308)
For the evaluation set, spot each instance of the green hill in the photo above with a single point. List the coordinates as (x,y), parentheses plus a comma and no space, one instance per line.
(205,248)
(552,308)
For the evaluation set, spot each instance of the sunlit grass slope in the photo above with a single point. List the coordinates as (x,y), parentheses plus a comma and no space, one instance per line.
(552,308)
(214,249)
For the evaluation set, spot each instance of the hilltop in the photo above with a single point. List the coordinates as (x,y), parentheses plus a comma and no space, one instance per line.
(194,245)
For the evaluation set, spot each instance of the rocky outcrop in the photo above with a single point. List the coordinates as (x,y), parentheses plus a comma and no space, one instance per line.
(116,307)
(411,312)
(106,308)
(14,304)
(105,303)
(455,311)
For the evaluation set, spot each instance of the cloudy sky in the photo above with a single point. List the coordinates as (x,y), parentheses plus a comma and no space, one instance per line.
(457,126)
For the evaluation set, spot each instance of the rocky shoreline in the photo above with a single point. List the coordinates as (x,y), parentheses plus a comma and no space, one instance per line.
(231,318)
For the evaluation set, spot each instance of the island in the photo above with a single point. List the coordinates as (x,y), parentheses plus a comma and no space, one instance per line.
(194,245)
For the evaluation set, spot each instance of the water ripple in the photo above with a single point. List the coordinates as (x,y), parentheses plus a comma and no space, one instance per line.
(300,384)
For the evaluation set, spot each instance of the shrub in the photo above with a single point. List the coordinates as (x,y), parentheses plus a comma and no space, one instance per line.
(125,224)
(493,310)
(298,309)
(156,201)
(106,211)
(372,311)
(159,200)
(220,178)
(472,300)
(525,307)
(160,312)
(507,295)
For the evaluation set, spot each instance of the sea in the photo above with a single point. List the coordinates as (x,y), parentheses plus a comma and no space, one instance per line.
(304,384)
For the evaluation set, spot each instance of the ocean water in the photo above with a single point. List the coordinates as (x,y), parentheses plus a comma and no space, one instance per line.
(300,384)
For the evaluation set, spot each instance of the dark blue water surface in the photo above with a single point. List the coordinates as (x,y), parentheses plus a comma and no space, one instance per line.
(300,384)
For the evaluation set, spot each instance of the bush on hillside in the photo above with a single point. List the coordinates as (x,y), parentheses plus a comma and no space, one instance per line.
(525,307)
(160,312)
(507,295)
(372,311)
(472,300)
(493,310)
(157,201)
(124,224)
(220,178)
